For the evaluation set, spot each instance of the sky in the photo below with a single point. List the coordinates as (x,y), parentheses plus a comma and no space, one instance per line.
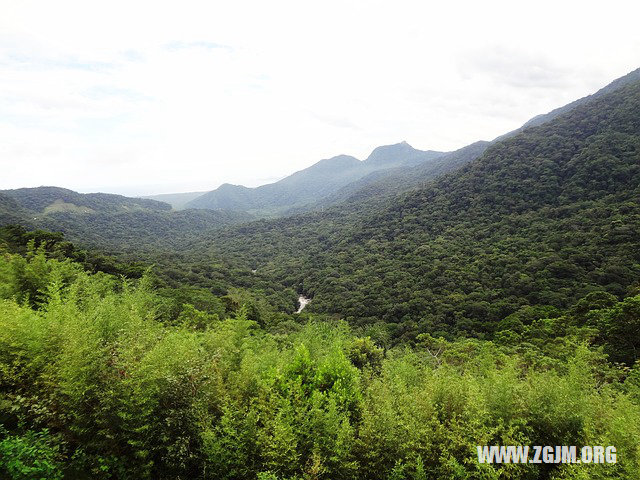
(140,98)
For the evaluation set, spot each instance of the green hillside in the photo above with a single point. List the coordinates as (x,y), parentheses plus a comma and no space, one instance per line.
(101,380)
(540,219)
(48,199)
(378,187)
(138,230)
(312,184)
(109,222)
(489,296)
(10,210)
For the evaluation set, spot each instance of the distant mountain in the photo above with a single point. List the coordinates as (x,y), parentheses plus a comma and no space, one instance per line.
(631,77)
(400,154)
(10,210)
(176,200)
(541,218)
(380,185)
(44,200)
(228,196)
(310,185)
(108,221)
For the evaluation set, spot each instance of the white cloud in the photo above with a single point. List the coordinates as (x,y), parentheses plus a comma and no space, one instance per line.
(146,96)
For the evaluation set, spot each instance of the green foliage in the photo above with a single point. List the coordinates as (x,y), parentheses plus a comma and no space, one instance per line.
(95,383)
(39,199)
(620,329)
(541,219)
(27,279)
(504,295)
(29,456)
(364,353)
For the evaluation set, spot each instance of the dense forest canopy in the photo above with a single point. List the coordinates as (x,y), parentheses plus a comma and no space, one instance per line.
(488,296)
(99,380)
(541,218)
(50,199)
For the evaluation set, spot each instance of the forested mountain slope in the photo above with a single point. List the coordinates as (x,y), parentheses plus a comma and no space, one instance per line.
(200,369)
(376,187)
(434,259)
(631,77)
(541,218)
(10,210)
(139,230)
(55,199)
(311,184)
(101,380)
(110,222)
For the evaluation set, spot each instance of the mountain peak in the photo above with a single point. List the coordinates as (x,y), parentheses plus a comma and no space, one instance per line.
(231,186)
(339,161)
(390,153)
(398,154)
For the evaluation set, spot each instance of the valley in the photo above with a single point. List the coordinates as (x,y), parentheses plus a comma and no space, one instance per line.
(358,319)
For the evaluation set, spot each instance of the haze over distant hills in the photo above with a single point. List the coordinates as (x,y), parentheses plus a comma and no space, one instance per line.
(107,220)
(381,185)
(177,200)
(388,170)
(541,218)
(344,181)
(44,200)
(312,184)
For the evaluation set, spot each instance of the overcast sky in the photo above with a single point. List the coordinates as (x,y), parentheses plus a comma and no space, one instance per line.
(140,97)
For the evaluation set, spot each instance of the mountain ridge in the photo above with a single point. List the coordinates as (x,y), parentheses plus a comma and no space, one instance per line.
(541,218)
(379,187)
(39,199)
(310,184)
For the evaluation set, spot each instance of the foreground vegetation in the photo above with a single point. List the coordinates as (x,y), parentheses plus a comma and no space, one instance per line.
(496,305)
(98,380)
